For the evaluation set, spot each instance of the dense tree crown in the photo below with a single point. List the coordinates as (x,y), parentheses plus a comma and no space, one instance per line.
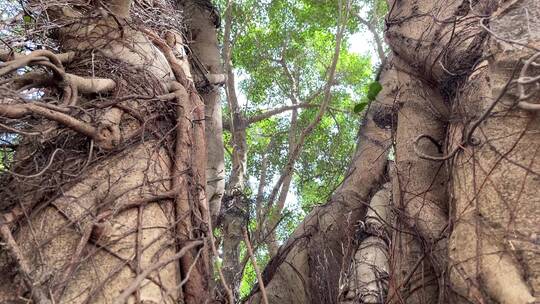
(300,36)
(281,52)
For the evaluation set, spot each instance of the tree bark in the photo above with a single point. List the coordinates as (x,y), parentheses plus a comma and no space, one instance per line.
(105,198)
(110,223)
(495,181)
(463,85)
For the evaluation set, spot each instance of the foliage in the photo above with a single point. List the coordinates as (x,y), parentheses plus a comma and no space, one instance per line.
(249,277)
(373,90)
(282,50)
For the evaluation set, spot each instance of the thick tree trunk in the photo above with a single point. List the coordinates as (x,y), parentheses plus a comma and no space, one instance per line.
(421,205)
(131,222)
(111,205)
(464,88)
(202,20)
(493,247)
(479,262)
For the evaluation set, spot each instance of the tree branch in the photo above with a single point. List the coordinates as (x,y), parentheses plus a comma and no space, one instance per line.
(270,113)
(255,266)
(376,37)
(344,15)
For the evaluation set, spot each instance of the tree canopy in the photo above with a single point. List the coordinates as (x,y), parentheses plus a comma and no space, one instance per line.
(281,52)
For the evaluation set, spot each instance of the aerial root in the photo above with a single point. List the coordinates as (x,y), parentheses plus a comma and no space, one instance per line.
(528,80)
(38,294)
(106,135)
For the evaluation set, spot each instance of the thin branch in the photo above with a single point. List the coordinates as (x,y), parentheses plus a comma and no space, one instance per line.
(293,95)
(41,171)
(376,37)
(265,115)
(14,130)
(255,266)
(322,109)
(120,8)
(262,181)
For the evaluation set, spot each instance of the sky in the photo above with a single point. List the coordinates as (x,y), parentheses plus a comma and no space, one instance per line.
(362,43)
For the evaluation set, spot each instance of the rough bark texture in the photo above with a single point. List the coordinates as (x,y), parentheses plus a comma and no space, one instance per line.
(459,105)
(444,54)
(464,89)
(367,278)
(422,203)
(202,22)
(494,246)
(116,229)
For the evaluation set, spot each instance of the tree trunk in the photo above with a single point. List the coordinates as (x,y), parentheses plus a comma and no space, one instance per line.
(235,206)
(105,198)
(202,20)
(493,247)
(463,85)
(116,210)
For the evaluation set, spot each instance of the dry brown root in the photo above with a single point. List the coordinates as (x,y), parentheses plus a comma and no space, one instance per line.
(105,135)
(72,84)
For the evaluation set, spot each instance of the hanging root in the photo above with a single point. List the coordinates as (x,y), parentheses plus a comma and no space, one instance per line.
(105,135)
(531,81)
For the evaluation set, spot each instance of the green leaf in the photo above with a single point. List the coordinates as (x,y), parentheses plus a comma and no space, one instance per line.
(359,107)
(373,90)
(27,19)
